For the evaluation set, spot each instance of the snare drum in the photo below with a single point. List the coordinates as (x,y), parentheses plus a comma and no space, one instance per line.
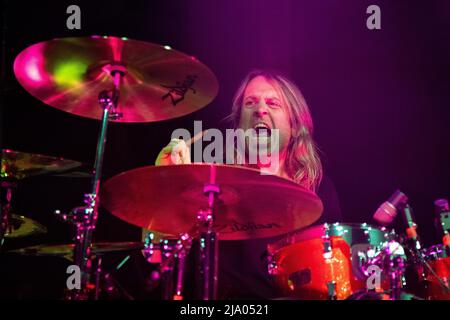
(325,261)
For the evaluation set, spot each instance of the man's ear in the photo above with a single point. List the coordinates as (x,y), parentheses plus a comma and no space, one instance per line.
(295,133)
(301,131)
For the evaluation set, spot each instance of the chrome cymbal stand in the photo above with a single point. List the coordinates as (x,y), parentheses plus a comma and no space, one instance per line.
(85,218)
(171,257)
(209,242)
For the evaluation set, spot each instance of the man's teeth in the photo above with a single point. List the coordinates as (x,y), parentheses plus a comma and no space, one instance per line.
(262,129)
(261,125)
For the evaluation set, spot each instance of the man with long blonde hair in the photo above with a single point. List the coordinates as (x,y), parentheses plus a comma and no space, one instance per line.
(265,96)
(266,101)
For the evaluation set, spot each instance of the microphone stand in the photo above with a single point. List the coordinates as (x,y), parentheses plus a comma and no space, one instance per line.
(416,247)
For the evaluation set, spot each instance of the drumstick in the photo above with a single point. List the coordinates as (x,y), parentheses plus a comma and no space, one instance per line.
(196,138)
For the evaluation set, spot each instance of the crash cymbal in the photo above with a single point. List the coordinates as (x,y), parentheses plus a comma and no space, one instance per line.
(20,226)
(159,83)
(66,250)
(251,205)
(19,165)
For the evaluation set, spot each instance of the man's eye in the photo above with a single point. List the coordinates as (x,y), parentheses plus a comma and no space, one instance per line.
(273,104)
(249,103)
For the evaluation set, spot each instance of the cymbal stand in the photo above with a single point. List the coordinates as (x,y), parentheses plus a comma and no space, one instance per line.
(170,257)
(209,243)
(85,218)
(6,191)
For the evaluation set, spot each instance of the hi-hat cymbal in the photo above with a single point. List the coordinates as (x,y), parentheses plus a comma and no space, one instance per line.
(66,250)
(20,226)
(251,205)
(159,83)
(19,165)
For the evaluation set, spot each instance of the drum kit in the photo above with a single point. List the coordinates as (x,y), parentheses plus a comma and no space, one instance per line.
(127,81)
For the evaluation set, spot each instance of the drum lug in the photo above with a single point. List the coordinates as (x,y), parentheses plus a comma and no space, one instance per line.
(327,247)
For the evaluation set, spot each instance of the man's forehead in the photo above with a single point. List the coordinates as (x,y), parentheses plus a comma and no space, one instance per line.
(260,86)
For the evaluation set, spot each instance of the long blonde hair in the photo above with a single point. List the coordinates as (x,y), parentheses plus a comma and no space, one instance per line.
(302,163)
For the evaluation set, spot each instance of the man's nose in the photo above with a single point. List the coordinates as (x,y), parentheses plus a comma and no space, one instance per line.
(261,110)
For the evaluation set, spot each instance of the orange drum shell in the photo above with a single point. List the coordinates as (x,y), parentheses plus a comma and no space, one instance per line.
(308,255)
(304,256)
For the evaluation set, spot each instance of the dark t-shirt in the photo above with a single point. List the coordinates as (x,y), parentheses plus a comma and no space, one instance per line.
(243,271)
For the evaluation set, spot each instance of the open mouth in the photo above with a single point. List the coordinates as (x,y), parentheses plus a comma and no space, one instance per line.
(262,129)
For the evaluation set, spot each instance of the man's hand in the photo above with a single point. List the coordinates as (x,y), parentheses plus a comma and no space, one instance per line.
(176,152)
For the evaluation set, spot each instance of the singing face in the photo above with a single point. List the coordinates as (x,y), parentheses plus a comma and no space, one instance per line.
(264,109)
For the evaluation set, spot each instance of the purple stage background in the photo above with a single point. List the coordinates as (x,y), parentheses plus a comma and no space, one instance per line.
(379,98)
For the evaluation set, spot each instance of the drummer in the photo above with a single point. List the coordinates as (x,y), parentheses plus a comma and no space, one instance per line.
(274,100)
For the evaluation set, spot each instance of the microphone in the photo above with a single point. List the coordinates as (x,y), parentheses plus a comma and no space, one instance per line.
(387,212)
(442,212)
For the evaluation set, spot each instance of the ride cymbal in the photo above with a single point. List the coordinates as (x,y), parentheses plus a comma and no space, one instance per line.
(158,83)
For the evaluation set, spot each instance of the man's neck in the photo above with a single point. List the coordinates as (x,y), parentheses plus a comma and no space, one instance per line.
(278,171)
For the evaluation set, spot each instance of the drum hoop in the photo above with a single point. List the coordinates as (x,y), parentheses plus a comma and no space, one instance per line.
(313,232)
